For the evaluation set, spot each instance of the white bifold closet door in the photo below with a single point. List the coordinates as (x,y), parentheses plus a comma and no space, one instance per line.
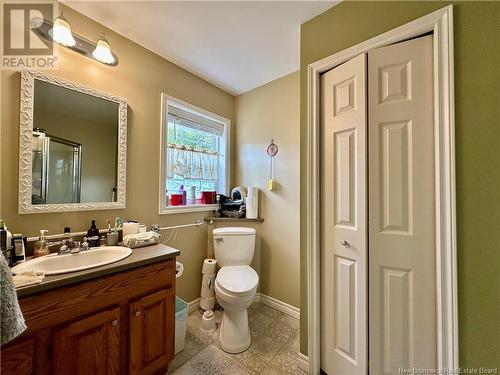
(378,285)
(402,266)
(344,233)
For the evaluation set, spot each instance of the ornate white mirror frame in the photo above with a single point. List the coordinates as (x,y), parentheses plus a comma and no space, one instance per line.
(25,147)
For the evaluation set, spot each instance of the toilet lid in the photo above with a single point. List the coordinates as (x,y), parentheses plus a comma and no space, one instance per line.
(237,279)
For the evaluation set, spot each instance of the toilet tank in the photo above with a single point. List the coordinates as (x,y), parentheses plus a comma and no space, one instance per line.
(234,246)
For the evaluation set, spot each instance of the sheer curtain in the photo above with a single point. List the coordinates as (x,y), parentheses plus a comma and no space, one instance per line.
(192,164)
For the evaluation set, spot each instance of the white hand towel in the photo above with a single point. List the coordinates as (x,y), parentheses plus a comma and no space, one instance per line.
(28,278)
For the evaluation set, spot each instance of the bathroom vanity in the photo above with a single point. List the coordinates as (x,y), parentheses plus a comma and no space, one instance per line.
(114,319)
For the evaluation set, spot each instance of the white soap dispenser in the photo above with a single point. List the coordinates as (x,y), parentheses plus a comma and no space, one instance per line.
(41,246)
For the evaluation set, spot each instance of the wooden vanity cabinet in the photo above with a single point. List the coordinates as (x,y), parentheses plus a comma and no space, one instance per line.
(123,323)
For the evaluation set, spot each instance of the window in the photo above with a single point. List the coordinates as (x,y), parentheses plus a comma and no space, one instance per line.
(194,154)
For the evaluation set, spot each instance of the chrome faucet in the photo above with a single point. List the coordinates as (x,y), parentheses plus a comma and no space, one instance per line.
(70,248)
(64,249)
(85,244)
(76,248)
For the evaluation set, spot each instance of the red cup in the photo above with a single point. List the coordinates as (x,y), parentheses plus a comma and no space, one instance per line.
(208,197)
(175,199)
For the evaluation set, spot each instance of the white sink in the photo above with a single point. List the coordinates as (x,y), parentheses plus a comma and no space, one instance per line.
(54,264)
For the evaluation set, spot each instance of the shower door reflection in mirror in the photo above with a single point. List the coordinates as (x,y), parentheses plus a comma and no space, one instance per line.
(56,169)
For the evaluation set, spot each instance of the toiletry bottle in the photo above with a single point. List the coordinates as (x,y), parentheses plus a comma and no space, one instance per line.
(41,246)
(19,248)
(3,236)
(192,198)
(112,237)
(67,237)
(10,246)
(3,242)
(119,225)
(184,195)
(93,232)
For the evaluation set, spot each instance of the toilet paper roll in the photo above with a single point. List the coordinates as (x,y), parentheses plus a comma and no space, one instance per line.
(209,266)
(130,228)
(207,303)
(179,269)
(207,286)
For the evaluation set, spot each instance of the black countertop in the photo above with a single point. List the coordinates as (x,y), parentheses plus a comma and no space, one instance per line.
(140,257)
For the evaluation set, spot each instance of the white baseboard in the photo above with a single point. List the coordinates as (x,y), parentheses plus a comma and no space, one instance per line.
(303,362)
(194,305)
(285,308)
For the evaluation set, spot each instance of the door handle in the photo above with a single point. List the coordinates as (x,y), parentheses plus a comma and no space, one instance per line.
(345,243)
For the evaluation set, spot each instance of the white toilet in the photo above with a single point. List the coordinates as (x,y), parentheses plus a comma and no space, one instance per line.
(235,284)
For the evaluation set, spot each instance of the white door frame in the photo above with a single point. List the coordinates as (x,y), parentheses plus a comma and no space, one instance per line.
(440,23)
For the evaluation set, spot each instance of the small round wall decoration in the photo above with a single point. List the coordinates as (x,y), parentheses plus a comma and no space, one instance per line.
(272,149)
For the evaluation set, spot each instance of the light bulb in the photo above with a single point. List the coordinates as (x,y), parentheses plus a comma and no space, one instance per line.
(61,32)
(102,52)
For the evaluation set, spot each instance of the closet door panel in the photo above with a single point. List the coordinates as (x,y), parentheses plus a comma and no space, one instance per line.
(402,285)
(343,218)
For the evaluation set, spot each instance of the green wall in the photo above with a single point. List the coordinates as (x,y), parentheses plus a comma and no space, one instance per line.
(477,112)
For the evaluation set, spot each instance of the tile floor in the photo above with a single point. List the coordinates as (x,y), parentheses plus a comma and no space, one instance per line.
(274,348)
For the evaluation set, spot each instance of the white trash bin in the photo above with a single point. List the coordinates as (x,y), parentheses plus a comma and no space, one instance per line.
(181,313)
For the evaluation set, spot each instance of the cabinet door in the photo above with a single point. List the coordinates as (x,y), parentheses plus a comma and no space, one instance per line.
(89,346)
(152,324)
(17,359)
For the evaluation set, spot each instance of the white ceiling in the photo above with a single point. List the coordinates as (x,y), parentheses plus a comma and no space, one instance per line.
(236,45)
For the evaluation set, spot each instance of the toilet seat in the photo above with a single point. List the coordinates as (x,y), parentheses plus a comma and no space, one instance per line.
(237,280)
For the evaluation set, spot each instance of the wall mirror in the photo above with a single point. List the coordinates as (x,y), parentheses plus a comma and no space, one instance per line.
(72,148)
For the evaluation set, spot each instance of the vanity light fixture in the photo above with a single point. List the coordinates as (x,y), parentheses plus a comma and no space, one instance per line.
(60,33)
(102,51)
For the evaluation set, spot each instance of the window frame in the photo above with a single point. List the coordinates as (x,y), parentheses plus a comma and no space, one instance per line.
(224,168)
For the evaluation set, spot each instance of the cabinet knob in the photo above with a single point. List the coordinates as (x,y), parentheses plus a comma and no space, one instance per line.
(137,313)
(114,323)
(345,243)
